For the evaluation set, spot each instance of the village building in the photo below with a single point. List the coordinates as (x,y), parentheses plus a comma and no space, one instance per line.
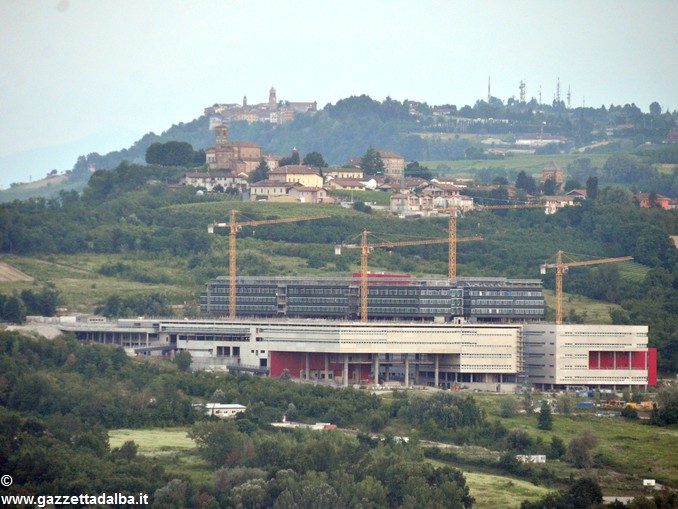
(345,184)
(216,180)
(553,203)
(304,175)
(237,156)
(352,172)
(394,164)
(273,111)
(646,201)
(553,172)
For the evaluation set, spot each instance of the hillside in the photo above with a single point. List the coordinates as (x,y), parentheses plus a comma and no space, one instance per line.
(417,131)
(128,235)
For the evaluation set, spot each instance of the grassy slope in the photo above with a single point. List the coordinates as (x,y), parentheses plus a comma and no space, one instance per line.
(172,449)
(491,491)
(83,287)
(531,164)
(629,447)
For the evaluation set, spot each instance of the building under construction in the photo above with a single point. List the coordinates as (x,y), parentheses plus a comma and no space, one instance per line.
(390,297)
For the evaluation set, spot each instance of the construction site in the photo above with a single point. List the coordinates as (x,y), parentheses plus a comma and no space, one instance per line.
(370,328)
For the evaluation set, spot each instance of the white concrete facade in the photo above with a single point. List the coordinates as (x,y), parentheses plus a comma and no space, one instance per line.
(570,355)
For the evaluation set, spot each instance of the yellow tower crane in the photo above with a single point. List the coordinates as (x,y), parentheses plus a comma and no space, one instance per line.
(452,229)
(366,249)
(562,267)
(234,227)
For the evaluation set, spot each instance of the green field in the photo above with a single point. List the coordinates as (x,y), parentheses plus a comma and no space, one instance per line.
(491,491)
(593,311)
(171,447)
(83,288)
(626,447)
(531,164)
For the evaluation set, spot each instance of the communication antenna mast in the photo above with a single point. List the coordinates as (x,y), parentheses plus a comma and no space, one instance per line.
(569,97)
(522,91)
(489,96)
(558,90)
(539,94)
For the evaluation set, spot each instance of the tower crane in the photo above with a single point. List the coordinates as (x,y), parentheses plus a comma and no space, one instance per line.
(366,249)
(562,267)
(452,229)
(234,227)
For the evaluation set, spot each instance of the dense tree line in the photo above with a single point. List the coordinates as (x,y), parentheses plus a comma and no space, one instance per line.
(15,307)
(174,153)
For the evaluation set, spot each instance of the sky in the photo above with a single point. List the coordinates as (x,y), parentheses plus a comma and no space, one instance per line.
(80,76)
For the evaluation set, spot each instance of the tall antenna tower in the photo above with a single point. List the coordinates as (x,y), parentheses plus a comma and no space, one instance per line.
(569,97)
(522,91)
(539,94)
(558,90)
(489,96)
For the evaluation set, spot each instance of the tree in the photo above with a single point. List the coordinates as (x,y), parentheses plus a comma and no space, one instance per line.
(508,407)
(220,443)
(579,450)
(592,188)
(667,405)
(655,109)
(414,169)
(260,173)
(183,360)
(545,419)
(14,310)
(293,159)
(526,183)
(371,162)
(172,153)
(315,159)
(558,448)
(549,187)
(565,404)
(571,184)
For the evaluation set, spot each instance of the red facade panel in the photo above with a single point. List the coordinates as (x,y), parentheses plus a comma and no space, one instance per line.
(638,360)
(652,367)
(295,364)
(623,360)
(593,360)
(606,360)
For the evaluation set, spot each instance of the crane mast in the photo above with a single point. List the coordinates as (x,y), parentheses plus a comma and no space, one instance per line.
(366,248)
(562,267)
(233,227)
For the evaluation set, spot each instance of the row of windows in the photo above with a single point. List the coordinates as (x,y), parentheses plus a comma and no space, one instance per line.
(324,291)
(207,337)
(506,311)
(504,293)
(506,302)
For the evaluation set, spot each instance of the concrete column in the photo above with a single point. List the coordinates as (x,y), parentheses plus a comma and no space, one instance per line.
(436,370)
(345,370)
(376,368)
(407,371)
(327,367)
(614,360)
(307,372)
(147,340)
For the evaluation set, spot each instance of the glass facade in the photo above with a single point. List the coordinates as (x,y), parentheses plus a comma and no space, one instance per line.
(484,299)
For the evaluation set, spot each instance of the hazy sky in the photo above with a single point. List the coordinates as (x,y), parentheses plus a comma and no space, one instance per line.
(112,70)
